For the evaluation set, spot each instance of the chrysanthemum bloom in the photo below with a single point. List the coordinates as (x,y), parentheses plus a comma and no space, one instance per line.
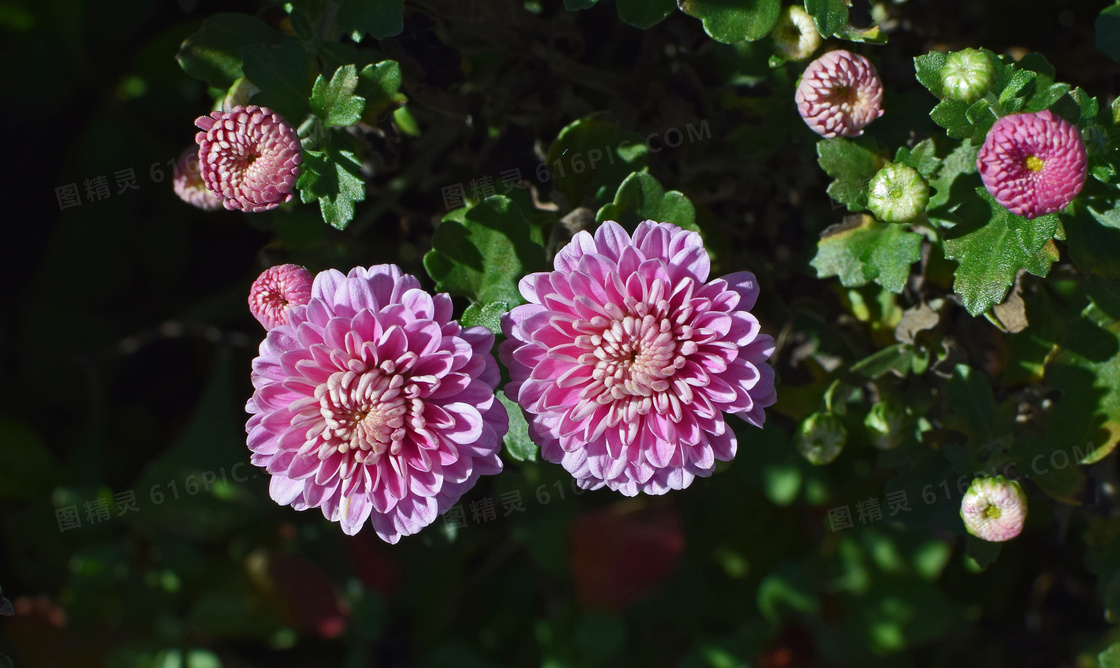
(372,403)
(626,354)
(276,291)
(250,156)
(967,75)
(821,438)
(897,193)
(839,94)
(1033,164)
(188,185)
(994,509)
(795,35)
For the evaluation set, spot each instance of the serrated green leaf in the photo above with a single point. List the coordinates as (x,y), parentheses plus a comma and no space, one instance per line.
(517,443)
(283,73)
(334,101)
(829,15)
(731,21)
(927,68)
(332,178)
(380,85)
(992,247)
(488,316)
(961,160)
(852,166)
(1021,84)
(953,116)
(866,250)
(484,257)
(591,157)
(377,18)
(213,53)
(923,157)
(645,14)
(641,197)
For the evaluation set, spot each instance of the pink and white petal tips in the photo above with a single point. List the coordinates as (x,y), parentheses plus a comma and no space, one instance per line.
(276,291)
(626,358)
(250,156)
(373,405)
(994,509)
(839,94)
(188,185)
(1033,164)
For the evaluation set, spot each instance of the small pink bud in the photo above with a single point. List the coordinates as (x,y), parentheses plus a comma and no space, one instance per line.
(276,291)
(994,509)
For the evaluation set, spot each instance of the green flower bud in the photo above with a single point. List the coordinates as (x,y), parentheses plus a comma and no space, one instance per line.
(795,35)
(821,438)
(967,75)
(897,193)
(886,424)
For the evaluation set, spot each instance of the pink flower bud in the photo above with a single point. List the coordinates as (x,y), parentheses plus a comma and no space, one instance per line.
(188,184)
(994,509)
(839,94)
(276,291)
(1033,164)
(250,156)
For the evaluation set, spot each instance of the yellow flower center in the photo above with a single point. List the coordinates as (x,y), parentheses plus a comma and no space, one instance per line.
(1034,163)
(993,512)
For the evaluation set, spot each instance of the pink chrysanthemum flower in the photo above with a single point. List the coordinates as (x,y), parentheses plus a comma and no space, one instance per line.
(1033,164)
(626,355)
(839,94)
(188,185)
(994,509)
(250,156)
(373,403)
(276,291)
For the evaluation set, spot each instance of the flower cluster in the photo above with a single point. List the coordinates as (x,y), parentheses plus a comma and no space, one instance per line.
(249,156)
(371,403)
(1033,164)
(839,94)
(626,357)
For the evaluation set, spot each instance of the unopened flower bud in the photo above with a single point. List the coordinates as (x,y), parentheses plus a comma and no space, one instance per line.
(967,75)
(839,94)
(897,193)
(276,291)
(795,35)
(886,424)
(994,509)
(821,438)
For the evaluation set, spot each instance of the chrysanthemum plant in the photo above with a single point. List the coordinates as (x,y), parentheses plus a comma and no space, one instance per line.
(1019,172)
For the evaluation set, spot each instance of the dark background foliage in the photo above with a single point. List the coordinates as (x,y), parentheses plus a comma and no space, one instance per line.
(126,346)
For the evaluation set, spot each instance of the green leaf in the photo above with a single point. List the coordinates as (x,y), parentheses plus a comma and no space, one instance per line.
(961,160)
(865,250)
(333,178)
(489,316)
(334,101)
(645,14)
(484,256)
(1094,240)
(591,157)
(852,166)
(380,86)
(1108,32)
(923,157)
(378,18)
(283,73)
(928,71)
(641,197)
(992,251)
(731,21)
(213,54)
(829,15)
(517,442)
(1110,658)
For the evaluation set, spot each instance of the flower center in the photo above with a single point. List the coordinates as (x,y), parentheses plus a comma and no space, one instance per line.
(896,193)
(364,413)
(1034,163)
(992,512)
